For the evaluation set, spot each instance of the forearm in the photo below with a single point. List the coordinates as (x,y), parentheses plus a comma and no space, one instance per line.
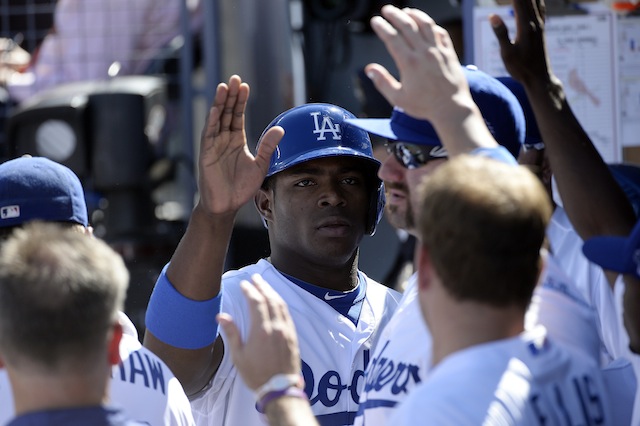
(181,325)
(461,127)
(591,197)
(198,262)
(290,411)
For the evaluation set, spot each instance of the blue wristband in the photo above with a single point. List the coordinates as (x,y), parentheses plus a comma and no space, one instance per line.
(180,321)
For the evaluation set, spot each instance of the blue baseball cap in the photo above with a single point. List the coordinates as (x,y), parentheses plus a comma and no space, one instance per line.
(499,107)
(532,139)
(36,188)
(619,254)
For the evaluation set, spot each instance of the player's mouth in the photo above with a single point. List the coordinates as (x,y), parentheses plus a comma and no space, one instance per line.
(334,227)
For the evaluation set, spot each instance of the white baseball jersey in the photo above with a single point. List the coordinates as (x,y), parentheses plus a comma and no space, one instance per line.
(142,385)
(525,380)
(594,287)
(400,360)
(559,307)
(402,356)
(334,351)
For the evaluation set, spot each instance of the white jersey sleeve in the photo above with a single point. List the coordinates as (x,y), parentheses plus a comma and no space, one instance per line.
(520,381)
(142,385)
(333,350)
(146,389)
(591,282)
(559,307)
(7,410)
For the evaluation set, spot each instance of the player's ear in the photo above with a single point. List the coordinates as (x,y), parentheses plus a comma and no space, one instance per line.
(113,345)
(263,201)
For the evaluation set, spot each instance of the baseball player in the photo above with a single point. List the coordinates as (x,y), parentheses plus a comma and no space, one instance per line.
(416,149)
(620,255)
(59,332)
(36,188)
(588,200)
(318,194)
(486,370)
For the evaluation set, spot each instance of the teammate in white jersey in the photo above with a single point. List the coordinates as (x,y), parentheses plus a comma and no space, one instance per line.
(481,228)
(398,364)
(36,188)
(318,195)
(589,201)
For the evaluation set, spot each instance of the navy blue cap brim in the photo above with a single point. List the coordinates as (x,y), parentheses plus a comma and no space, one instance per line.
(386,128)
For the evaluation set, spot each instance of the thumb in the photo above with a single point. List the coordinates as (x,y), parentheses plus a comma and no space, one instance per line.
(232,333)
(386,83)
(267,145)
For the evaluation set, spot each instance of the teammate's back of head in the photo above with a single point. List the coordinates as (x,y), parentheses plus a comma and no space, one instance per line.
(483,222)
(60,297)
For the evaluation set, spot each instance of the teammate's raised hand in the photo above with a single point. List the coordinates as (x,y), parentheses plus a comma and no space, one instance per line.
(272,345)
(229,174)
(526,56)
(426,60)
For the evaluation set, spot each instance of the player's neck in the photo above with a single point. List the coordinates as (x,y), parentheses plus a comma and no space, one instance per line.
(469,324)
(38,393)
(334,277)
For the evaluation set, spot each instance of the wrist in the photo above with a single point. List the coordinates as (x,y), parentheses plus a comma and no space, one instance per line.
(278,386)
(269,397)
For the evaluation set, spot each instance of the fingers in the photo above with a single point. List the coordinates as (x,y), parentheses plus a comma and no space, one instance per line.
(234,340)
(234,105)
(259,311)
(401,25)
(276,305)
(385,83)
(425,23)
(501,32)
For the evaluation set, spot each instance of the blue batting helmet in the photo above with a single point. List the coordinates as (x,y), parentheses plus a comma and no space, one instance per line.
(319,130)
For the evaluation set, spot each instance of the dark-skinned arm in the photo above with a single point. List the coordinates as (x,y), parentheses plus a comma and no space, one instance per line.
(592,199)
(228,177)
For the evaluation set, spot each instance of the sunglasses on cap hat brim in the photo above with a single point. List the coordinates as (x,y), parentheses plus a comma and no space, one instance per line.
(412,156)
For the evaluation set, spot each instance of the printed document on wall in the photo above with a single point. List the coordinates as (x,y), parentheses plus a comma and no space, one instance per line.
(583,56)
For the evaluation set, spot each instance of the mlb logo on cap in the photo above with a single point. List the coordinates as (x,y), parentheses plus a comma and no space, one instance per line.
(9,212)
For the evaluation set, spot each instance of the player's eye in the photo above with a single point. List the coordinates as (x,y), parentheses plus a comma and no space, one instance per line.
(305,182)
(351,180)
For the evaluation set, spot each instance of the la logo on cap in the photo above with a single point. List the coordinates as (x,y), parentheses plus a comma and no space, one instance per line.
(9,212)
(327,126)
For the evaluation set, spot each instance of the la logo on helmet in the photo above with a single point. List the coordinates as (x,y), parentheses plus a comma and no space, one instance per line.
(327,126)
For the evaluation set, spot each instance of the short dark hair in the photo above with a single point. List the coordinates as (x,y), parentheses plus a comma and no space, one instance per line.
(484,224)
(60,291)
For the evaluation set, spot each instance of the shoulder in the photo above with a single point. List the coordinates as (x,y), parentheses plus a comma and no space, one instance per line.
(374,288)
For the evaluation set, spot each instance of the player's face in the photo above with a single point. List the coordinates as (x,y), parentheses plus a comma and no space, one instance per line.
(400,182)
(319,210)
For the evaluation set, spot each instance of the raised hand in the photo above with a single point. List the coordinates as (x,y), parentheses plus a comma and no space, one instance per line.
(229,174)
(272,345)
(426,60)
(526,56)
